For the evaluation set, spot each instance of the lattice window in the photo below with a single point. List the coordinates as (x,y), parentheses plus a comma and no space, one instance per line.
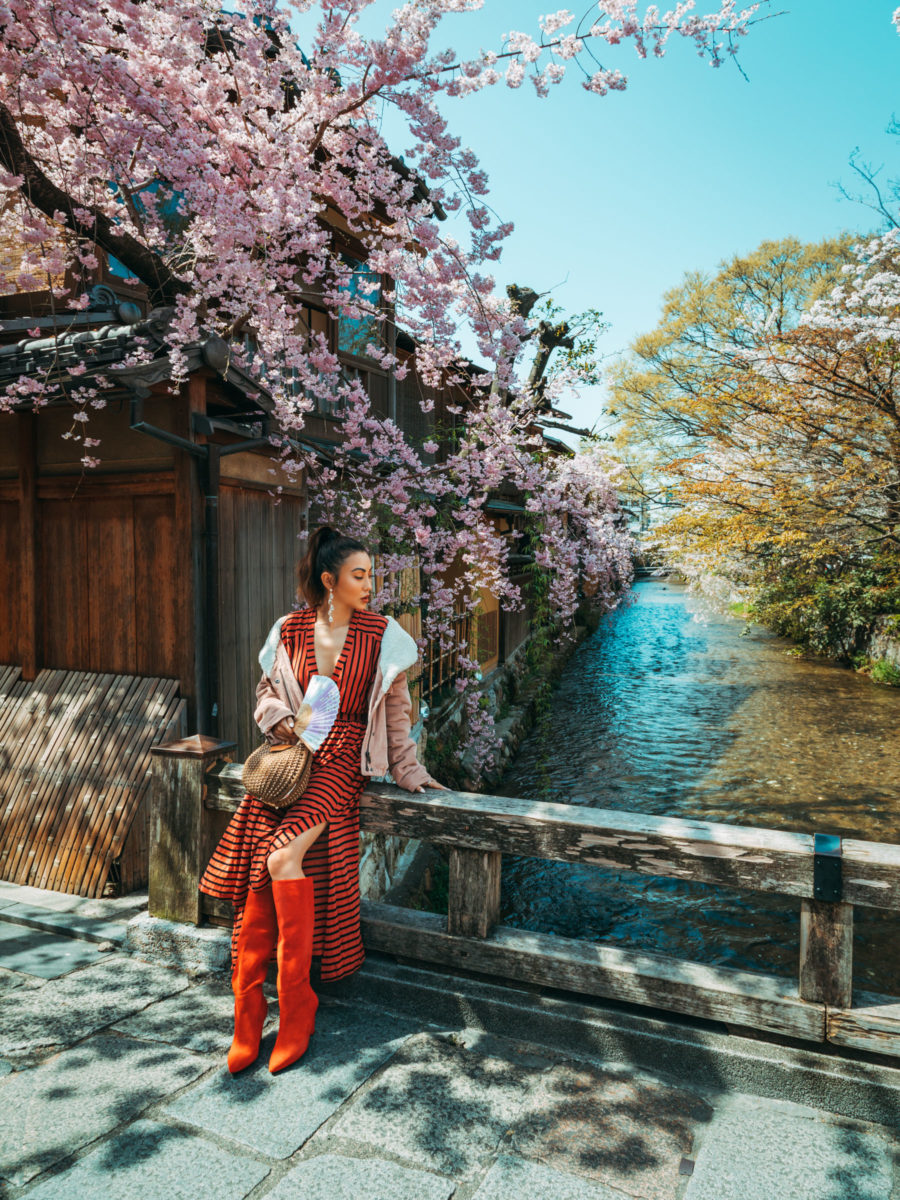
(488,641)
(441,667)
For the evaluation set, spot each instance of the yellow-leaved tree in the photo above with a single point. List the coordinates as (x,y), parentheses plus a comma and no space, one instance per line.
(765,406)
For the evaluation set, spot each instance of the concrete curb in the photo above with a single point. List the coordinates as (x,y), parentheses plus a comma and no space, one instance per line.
(702,1053)
(198,950)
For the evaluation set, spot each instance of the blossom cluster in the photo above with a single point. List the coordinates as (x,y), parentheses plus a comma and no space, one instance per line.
(212,157)
(865,305)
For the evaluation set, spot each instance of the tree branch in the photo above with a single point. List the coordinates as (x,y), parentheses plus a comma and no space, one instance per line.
(50,199)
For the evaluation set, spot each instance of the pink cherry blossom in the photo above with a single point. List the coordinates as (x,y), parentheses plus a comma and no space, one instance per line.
(212,155)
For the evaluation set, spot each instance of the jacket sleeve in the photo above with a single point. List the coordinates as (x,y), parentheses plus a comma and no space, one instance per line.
(406,769)
(270,707)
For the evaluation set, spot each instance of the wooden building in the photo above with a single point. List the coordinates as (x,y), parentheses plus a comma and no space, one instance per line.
(168,561)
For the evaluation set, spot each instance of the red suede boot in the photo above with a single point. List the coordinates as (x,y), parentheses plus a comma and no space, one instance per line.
(297,1002)
(256,941)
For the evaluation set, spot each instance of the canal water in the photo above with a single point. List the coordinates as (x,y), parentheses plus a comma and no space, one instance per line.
(673,709)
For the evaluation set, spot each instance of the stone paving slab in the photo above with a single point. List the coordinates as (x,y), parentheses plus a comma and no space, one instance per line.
(441,1105)
(624,1130)
(66,1010)
(68,924)
(761,1149)
(48,955)
(117,908)
(337,1177)
(276,1114)
(151,1161)
(16,979)
(68,1100)
(513,1177)
(201,1019)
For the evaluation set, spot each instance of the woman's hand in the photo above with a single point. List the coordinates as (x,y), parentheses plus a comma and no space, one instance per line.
(284,731)
(433,783)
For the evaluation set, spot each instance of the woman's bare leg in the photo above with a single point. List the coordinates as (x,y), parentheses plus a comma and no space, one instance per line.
(287,861)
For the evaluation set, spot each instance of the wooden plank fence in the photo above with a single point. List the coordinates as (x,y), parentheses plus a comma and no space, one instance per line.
(74,773)
(194,782)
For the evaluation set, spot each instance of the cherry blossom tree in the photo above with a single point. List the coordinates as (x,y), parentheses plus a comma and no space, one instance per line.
(211,154)
(774,419)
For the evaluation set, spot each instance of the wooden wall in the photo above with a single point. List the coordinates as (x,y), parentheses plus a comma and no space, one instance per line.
(515,626)
(487,635)
(105,582)
(258,552)
(10,575)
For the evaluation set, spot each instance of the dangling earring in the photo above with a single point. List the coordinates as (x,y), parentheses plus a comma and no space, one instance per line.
(330,607)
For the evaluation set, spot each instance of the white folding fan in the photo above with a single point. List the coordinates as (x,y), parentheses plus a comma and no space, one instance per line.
(317,713)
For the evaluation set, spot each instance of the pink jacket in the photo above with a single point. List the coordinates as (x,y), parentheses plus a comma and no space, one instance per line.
(387,745)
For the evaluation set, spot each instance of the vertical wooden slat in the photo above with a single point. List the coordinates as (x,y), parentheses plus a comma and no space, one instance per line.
(109,577)
(29,577)
(135,850)
(826,953)
(103,761)
(156,617)
(52,711)
(473,905)
(77,768)
(177,819)
(245,535)
(230,716)
(63,584)
(257,557)
(187,564)
(122,800)
(21,717)
(56,781)
(12,598)
(79,806)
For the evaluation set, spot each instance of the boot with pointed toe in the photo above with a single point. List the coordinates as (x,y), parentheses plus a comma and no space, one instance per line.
(255,943)
(297,1002)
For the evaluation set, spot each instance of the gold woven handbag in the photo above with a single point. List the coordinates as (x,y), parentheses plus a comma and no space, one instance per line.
(278,775)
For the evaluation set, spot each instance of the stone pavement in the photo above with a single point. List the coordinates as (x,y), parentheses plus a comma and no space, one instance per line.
(112,1082)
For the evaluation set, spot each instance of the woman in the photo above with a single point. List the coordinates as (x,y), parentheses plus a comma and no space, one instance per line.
(293,876)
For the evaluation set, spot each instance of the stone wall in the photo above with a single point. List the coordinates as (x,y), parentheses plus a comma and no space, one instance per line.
(884,644)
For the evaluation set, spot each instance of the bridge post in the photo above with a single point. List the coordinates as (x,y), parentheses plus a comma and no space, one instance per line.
(473,902)
(177,816)
(826,953)
(826,930)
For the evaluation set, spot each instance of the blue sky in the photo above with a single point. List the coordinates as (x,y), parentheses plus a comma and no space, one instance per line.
(614,198)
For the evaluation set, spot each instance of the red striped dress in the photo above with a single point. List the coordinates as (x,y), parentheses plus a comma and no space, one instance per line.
(335,785)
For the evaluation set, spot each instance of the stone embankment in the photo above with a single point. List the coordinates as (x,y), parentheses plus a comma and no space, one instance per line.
(510,695)
(884,644)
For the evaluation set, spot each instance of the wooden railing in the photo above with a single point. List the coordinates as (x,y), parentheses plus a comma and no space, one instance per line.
(193,780)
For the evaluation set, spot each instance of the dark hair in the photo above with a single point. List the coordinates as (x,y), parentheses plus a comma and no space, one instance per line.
(327,550)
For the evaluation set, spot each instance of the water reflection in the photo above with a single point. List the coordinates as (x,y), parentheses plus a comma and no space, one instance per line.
(674,710)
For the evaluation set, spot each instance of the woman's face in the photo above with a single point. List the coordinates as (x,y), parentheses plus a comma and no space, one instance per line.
(354,581)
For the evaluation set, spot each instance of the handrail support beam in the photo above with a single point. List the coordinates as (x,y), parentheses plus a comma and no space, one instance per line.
(473,901)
